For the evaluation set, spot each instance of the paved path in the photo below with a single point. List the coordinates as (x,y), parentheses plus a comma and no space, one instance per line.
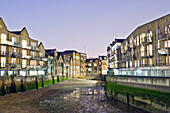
(71,96)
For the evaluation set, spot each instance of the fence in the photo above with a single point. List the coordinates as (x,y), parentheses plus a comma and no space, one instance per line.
(20,83)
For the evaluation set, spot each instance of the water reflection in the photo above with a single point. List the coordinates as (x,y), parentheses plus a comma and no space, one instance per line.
(92,93)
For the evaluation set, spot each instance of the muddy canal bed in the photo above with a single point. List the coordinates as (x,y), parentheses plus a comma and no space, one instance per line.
(71,96)
(84,99)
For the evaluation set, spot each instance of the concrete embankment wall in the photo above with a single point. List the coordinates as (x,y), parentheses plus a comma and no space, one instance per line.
(156,83)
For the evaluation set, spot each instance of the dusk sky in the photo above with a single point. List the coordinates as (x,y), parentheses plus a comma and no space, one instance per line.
(84,25)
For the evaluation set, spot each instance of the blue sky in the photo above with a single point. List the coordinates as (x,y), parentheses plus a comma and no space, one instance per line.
(85,25)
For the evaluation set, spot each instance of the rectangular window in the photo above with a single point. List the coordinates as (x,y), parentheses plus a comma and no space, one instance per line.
(24,53)
(3,38)
(166,30)
(14,50)
(14,40)
(13,60)
(3,61)
(33,45)
(24,43)
(41,54)
(138,63)
(142,50)
(137,40)
(149,50)
(3,48)
(24,63)
(32,62)
(165,43)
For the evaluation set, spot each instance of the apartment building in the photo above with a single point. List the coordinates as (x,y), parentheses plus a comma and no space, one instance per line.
(51,54)
(20,54)
(103,65)
(146,50)
(114,55)
(83,64)
(76,61)
(92,66)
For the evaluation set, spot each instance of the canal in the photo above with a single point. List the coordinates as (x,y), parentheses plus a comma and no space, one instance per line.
(79,95)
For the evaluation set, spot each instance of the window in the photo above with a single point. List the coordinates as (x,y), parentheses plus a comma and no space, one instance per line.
(24,53)
(95,64)
(167,59)
(158,34)
(24,43)
(165,42)
(33,45)
(166,30)
(14,40)
(41,54)
(77,67)
(137,40)
(13,60)
(158,60)
(3,61)
(77,57)
(3,48)
(135,63)
(149,50)
(89,64)
(142,50)
(14,50)
(149,36)
(89,69)
(138,63)
(24,63)
(150,62)
(3,38)
(32,62)
(33,54)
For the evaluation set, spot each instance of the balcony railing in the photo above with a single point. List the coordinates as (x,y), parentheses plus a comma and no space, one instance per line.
(163,51)
(146,41)
(147,53)
(15,55)
(26,56)
(163,36)
(4,53)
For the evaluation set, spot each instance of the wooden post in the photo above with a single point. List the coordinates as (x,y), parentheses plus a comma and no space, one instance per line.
(36,82)
(58,79)
(53,79)
(42,81)
(105,84)
(128,98)
(22,85)
(13,87)
(3,88)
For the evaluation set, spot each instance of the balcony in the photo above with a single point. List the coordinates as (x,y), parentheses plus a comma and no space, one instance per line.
(163,51)
(132,57)
(162,64)
(15,55)
(146,54)
(44,67)
(15,66)
(163,36)
(4,53)
(146,41)
(26,56)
